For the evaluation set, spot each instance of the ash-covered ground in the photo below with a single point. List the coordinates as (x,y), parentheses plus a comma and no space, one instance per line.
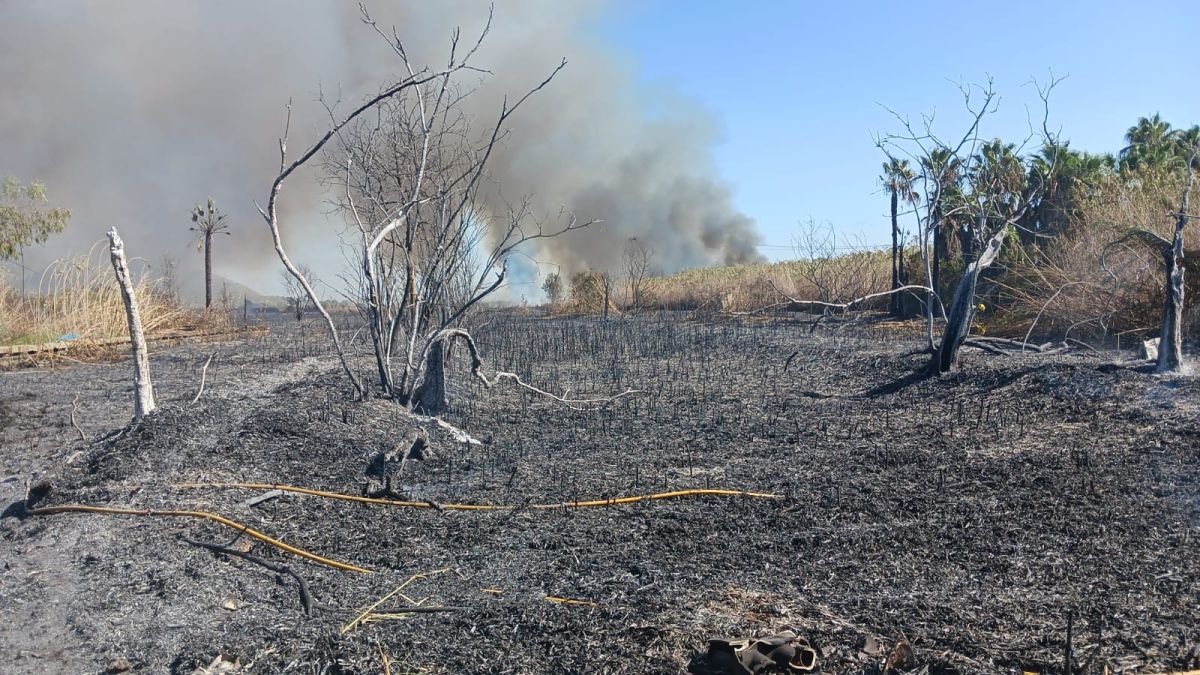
(968,514)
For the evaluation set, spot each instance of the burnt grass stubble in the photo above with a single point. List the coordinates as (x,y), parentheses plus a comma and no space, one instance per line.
(968,514)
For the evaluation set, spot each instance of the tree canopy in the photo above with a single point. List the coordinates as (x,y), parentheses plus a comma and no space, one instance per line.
(26,216)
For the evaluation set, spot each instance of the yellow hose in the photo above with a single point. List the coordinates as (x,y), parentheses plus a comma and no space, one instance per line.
(478,507)
(283,546)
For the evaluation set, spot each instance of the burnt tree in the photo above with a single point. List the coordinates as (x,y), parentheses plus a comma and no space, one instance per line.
(962,307)
(1170,346)
(143,397)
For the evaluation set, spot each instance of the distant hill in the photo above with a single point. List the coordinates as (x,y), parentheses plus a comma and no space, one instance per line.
(194,295)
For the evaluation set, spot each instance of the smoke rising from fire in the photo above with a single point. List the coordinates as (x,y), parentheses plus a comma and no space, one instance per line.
(133,111)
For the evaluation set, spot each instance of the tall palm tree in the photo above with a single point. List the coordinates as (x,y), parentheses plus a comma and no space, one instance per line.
(899,180)
(999,176)
(207,221)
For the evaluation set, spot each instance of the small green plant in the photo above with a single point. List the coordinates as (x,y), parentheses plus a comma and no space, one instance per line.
(553,288)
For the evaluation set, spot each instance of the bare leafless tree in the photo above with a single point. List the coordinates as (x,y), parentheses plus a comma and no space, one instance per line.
(430,235)
(168,282)
(637,259)
(293,291)
(415,82)
(839,271)
(987,205)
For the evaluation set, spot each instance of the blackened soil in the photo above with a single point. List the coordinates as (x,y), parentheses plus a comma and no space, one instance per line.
(969,514)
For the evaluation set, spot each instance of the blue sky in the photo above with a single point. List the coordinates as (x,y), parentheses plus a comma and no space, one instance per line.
(797,87)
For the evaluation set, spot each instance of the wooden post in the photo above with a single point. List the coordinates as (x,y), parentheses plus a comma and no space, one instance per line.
(143,403)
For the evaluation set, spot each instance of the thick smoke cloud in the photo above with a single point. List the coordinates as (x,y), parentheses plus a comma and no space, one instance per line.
(133,111)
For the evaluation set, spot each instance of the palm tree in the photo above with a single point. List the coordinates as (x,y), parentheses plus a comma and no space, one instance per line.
(944,170)
(1063,176)
(1149,143)
(898,180)
(1187,146)
(207,221)
(998,181)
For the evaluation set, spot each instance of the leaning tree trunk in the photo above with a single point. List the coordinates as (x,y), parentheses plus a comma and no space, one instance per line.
(143,402)
(962,309)
(1170,347)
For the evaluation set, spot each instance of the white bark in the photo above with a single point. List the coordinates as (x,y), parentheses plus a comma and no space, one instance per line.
(143,402)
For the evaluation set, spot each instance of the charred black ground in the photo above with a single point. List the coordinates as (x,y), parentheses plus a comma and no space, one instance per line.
(968,514)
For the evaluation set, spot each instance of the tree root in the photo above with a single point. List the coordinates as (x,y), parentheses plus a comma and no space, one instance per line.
(306,600)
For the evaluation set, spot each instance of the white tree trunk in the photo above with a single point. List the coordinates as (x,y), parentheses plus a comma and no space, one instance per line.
(143,403)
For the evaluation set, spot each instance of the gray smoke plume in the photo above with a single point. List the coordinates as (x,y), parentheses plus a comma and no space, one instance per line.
(133,111)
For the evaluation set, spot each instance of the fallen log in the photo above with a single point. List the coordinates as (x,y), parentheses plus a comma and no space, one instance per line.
(66,345)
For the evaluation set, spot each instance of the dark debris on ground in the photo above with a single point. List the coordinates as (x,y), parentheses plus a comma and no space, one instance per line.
(967,514)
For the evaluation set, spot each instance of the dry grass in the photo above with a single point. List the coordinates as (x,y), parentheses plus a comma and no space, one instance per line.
(745,288)
(1097,279)
(80,296)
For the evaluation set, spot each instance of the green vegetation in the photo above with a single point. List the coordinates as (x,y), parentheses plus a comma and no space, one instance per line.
(553,288)
(26,217)
(1082,260)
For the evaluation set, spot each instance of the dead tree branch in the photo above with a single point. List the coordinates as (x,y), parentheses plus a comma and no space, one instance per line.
(446,335)
(306,600)
(203,374)
(844,306)
(143,402)
(74,422)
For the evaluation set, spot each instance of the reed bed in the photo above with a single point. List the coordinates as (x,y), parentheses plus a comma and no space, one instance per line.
(747,288)
(78,298)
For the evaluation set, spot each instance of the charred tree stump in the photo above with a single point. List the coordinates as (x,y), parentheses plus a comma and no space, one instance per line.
(143,403)
(430,397)
(962,309)
(1170,346)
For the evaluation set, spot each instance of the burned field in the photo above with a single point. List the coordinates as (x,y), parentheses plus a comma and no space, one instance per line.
(969,514)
